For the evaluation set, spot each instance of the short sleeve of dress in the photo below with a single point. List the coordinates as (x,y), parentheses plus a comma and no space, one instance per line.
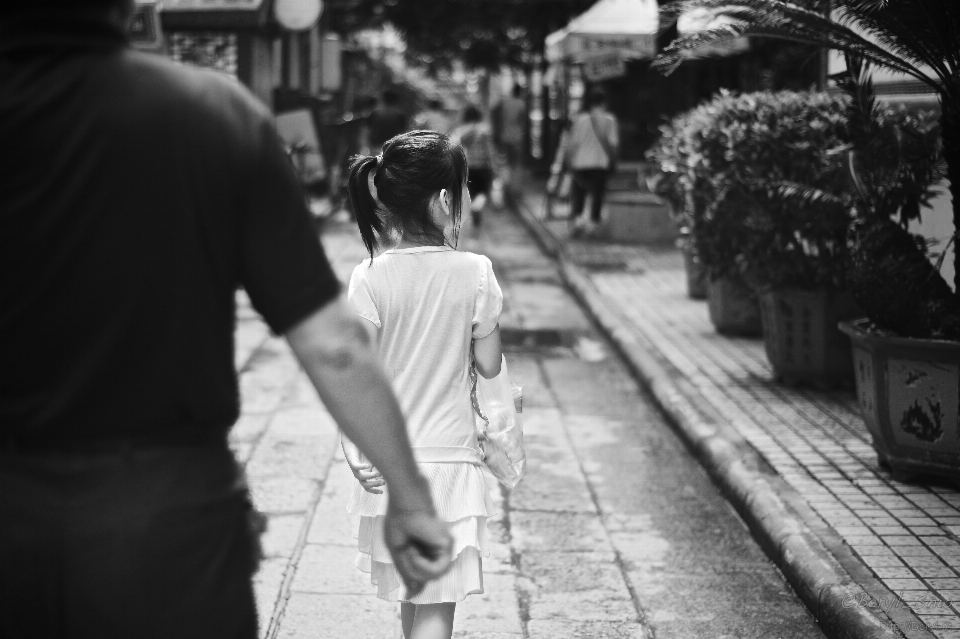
(360,295)
(489,304)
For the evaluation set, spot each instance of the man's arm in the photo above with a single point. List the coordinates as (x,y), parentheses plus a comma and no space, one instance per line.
(335,350)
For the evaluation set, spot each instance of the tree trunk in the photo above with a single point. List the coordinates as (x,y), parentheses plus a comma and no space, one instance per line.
(950,129)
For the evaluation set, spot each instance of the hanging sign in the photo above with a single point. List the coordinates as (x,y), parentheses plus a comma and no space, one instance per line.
(603,66)
(144,27)
(297,15)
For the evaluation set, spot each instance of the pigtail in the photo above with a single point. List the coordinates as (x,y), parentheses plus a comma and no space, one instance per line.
(364,205)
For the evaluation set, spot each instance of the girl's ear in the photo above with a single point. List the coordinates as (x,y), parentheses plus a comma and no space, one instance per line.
(445,202)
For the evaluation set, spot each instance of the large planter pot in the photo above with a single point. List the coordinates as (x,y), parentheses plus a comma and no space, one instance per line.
(801,337)
(909,395)
(734,309)
(696,275)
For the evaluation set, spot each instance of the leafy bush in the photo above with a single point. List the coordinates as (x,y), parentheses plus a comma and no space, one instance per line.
(721,163)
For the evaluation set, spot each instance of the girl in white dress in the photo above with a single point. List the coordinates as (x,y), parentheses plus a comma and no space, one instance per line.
(428,305)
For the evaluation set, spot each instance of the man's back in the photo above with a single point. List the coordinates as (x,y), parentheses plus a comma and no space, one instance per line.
(127,220)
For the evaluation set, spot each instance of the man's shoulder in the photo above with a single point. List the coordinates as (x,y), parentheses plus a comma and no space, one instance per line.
(201,91)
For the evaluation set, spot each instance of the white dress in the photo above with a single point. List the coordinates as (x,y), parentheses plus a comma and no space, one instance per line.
(428,304)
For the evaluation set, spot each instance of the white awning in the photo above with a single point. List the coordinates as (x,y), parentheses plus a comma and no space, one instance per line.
(627,26)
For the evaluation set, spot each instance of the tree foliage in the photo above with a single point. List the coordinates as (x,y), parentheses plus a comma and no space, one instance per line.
(480,33)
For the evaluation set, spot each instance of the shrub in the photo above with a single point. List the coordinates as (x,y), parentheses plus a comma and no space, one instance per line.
(723,161)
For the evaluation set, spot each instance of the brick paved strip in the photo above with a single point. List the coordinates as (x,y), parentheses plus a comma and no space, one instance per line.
(824,585)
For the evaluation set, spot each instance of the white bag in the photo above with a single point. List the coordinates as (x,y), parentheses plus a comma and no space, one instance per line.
(498,405)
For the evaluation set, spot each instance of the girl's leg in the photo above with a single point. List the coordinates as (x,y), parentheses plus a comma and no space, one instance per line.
(433,621)
(407,613)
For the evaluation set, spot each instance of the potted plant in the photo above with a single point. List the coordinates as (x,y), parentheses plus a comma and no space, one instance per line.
(720,160)
(691,159)
(907,352)
(669,155)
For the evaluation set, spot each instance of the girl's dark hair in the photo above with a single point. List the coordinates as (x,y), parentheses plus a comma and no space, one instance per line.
(472,114)
(411,169)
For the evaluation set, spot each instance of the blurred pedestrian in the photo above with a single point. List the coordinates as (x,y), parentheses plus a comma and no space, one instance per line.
(141,194)
(433,118)
(589,150)
(510,117)
(387,119)
(429,306)
(477,141)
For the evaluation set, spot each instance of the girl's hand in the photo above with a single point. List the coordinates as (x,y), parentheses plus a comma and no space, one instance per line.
(369,477)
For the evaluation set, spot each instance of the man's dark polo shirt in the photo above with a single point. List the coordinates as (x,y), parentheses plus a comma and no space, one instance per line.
(136,195)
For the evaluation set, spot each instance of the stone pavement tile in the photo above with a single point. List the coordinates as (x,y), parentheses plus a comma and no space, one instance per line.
(331,522)
(297,420)
(587,605)
(935,572)
(891,572)
(884,561)
(312,616)
(497,610)
(249,427)
(904,584)
(326,569)
(555,485)
(550,531)
(266,589)
(945,584)
(941,622)
(947,634)
(572,572)
(565,629)
(900,540)
(282,534)
(303,457)
(283,494)
(939,540)
(912,551)
(242,451)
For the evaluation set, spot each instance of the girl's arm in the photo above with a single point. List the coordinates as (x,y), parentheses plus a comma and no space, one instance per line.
(488,353)
(369,477)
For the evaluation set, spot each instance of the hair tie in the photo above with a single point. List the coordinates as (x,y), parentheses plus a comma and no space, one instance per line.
(379,159)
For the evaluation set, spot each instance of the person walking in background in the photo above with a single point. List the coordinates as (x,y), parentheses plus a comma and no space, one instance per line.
(589,150)
(433,118)
(510,117)
(141,195)
(429,306)
(477,141)
(387,119)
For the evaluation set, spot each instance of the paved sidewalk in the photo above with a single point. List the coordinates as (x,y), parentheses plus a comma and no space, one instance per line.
(871,557)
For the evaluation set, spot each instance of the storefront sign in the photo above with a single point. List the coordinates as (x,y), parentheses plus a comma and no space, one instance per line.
(602,66)
(636,45)
(144,30)
(211,5)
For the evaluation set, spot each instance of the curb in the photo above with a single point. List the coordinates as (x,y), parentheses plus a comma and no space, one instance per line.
(820,579)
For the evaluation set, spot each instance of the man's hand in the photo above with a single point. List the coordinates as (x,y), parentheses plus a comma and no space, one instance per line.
(420,544)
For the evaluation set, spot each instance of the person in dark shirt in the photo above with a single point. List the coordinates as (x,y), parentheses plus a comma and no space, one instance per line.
(137,195)
(386,121)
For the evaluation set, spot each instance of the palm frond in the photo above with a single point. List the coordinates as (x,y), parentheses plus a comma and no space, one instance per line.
(776,19)
(910,38)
